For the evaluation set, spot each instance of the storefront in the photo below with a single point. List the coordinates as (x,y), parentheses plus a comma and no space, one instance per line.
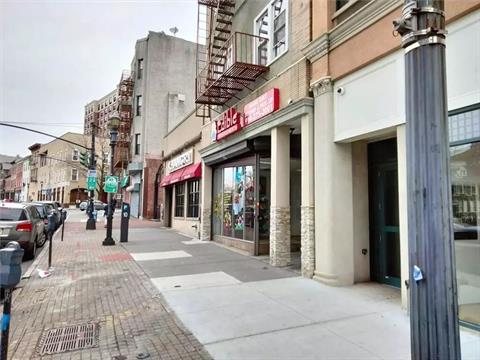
(464,127)
(181,208)
(259,186)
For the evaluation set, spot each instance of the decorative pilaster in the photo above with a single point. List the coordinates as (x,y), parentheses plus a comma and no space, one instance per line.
(308,240)
(206,224)
(280,236)
(322,86)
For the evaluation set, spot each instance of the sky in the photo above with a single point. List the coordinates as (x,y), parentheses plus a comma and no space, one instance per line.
(56,56)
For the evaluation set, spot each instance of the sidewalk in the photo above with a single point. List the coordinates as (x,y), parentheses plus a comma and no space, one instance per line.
(95,285)
(240,307)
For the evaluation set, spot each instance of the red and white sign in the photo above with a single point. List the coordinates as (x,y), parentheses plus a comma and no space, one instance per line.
(262,106)
(228,123)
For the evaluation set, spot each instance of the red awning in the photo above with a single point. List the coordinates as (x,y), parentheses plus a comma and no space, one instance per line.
(166,180)
(190,172)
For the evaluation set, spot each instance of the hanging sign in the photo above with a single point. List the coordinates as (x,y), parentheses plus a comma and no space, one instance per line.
(262,106)
(180,161)
(227,124)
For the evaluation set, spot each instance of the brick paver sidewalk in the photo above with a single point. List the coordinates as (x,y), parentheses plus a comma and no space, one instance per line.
(92,283)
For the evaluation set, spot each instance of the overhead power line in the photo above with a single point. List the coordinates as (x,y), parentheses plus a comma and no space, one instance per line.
(42,124)
(43,133)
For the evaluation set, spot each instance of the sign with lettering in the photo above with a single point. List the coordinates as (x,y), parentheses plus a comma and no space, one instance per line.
(180,161)
(91,183)
(262,106)
(228,123)
(111,184)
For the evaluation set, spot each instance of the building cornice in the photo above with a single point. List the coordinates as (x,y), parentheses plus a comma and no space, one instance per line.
(356,23)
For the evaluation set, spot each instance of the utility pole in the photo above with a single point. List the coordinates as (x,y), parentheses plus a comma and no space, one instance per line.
(433,285)
(91,222)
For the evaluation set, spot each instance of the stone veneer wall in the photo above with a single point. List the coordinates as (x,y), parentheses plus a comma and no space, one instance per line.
(280,236)
(206,224)
(308,240)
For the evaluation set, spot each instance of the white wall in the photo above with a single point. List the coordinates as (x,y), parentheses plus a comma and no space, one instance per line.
(374,97)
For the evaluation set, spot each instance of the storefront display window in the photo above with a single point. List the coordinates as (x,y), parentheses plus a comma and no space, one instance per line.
(193,188)
(234,202)
(465,177)
(227,201)
(179,199)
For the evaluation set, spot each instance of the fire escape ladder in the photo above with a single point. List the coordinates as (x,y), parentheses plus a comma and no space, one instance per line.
(233,59)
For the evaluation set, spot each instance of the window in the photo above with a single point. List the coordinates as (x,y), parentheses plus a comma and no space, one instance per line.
(193,188)
(43,159)
(139,68)
(271,25)
(464,134)
(75,155)
(139,105)
(340,3)
(74,174)
(179,199)
(137,144)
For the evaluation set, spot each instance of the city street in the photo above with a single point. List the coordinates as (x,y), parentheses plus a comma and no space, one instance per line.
(162,291)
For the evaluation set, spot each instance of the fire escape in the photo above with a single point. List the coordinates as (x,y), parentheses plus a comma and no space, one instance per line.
(227,61)
(125,97)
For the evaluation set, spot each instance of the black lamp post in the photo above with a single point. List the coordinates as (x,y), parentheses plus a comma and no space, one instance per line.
(113,125)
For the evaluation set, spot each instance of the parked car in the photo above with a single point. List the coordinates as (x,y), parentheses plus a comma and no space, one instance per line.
(22,223)
(97,204)
(57,211)
(44,210)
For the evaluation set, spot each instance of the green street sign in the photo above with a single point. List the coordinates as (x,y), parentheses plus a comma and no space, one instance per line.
(91,183)
(124,181)
(111,184)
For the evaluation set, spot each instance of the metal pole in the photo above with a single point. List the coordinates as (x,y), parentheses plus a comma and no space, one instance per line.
(433,286)
(50,235)
(63,228)
(91,222)
(7,305)
(108,239)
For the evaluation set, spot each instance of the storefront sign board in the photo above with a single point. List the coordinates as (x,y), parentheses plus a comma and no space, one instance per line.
(262,106)
(227,124)
(180,161)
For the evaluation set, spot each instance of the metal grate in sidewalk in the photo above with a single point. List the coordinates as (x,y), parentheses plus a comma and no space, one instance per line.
(68,338)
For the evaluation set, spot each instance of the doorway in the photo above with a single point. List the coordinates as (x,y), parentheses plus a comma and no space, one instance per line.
(384,217)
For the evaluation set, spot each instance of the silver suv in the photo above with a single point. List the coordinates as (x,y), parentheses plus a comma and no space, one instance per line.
(21,223)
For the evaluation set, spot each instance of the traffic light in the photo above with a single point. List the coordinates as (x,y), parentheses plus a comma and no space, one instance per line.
(85,159)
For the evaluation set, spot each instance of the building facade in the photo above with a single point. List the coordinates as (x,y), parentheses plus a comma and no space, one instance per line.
(164,76)
(55,170)
(360,145)
(181,177)
(98,112)
(5,179)
(257,176)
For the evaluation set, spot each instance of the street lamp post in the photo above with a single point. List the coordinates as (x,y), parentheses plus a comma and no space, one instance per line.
(92,221)
(113,125)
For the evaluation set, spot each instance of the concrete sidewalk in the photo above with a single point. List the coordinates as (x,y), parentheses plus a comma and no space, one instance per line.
(93,285)
(242,308)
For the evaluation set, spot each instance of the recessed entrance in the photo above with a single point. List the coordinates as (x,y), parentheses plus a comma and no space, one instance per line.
(384,218)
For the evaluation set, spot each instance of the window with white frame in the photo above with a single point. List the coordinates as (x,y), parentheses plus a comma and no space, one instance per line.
(74,174)
(271,24)
(75,155)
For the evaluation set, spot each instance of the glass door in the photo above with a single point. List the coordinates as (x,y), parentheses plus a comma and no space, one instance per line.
(385,233)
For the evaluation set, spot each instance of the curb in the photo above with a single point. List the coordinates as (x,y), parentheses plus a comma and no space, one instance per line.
(39,258)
